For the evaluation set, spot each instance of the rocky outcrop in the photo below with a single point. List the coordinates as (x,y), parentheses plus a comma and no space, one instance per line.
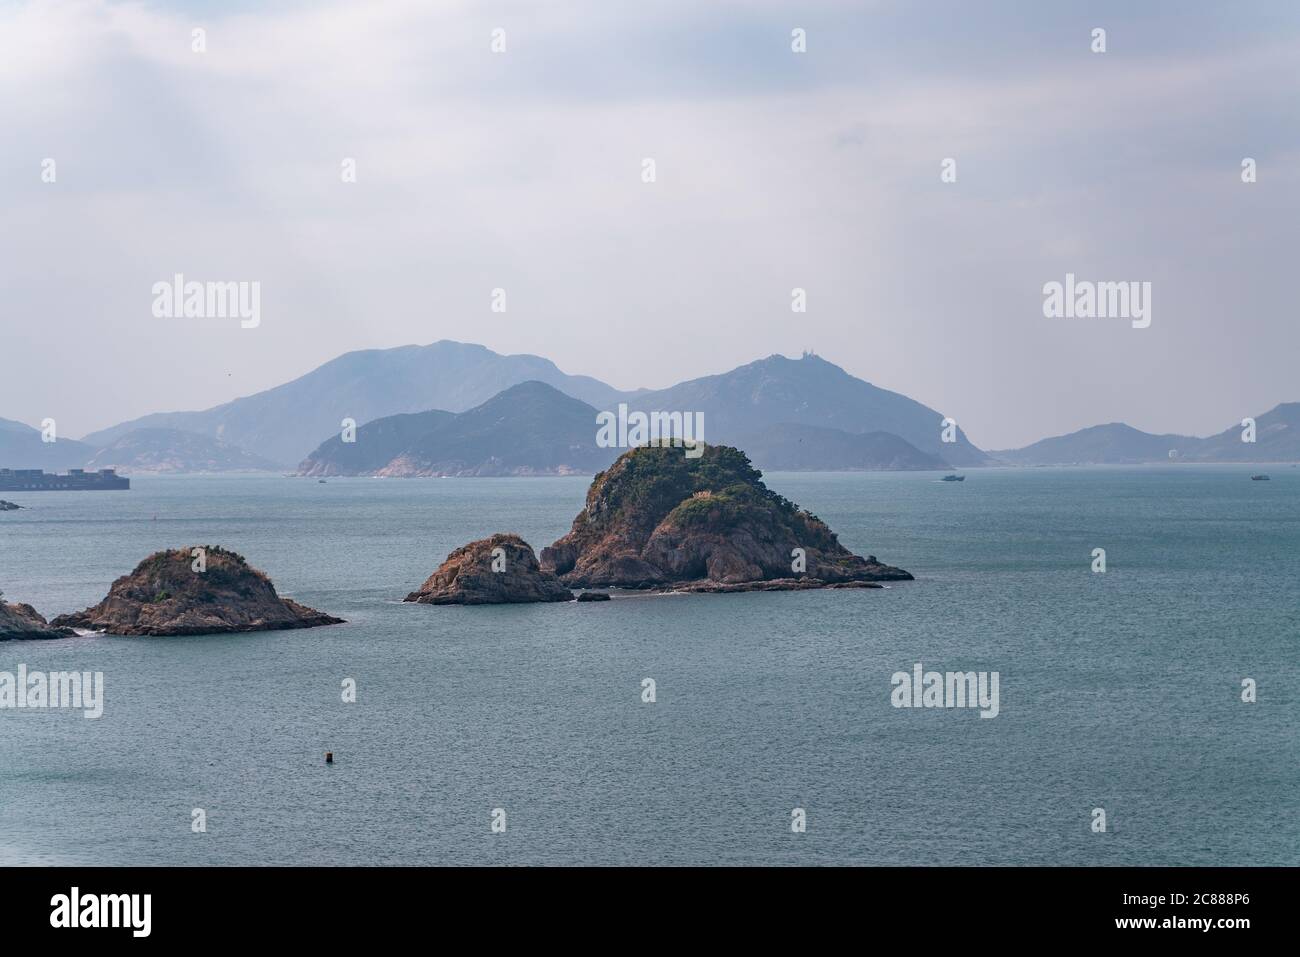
(658,519)
(22,622)
(172,593)
(8,506)
(492,571)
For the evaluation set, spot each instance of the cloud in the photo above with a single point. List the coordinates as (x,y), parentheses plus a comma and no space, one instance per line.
(775,170)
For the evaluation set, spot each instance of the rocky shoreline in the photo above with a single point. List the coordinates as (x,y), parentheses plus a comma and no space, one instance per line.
(19,622)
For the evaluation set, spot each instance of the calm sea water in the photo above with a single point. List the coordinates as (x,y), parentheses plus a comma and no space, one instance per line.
(1119,691)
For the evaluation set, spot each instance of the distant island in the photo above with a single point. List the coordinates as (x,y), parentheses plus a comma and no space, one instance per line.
(1276,439)
(792,447)
(529,429)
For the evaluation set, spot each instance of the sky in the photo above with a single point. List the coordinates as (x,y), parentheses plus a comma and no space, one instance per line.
(522,170)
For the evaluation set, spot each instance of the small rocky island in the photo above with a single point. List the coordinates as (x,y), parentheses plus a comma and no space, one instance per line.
(18,622)
(656,519)
(498,570)
(167,594)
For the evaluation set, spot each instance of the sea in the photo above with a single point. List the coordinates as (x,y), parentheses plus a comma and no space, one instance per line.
(528,734)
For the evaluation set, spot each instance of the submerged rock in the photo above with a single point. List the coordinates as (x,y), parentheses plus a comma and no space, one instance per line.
(492,571)
(8,506)
(22,622)
(167,595)
(658,519)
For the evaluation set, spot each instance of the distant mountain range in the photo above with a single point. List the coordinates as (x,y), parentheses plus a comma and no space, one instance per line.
(451,408)
(1277,439)
(284,424)
(534,429)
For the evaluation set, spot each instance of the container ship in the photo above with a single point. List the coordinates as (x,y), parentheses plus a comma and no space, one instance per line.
(36,480)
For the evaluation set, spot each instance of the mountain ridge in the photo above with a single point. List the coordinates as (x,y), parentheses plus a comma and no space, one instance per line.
(808,391)
(284,423)
(175,451)
(21,447)
(534,429)
(528,429)
(1277,439)
(756,404)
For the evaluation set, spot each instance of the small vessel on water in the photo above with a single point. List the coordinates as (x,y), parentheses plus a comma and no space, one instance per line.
(954,478)
(1259,478)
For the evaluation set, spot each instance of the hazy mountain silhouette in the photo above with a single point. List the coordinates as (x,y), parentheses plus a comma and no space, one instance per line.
(376,444)
(285,423)
(792,447)
(528,429)
(1111,444)
(21,448)
(534,429)
(1277,439)
(171,450)
(757,404)
(806,391)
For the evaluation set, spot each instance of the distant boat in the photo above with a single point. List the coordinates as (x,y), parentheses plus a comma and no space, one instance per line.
(1259,478)
(320,481)
(36,480)
(954,478)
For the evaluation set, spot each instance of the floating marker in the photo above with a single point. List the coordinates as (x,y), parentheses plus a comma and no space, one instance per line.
(329,757)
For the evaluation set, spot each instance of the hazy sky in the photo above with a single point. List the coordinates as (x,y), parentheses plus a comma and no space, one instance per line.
(523,170)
